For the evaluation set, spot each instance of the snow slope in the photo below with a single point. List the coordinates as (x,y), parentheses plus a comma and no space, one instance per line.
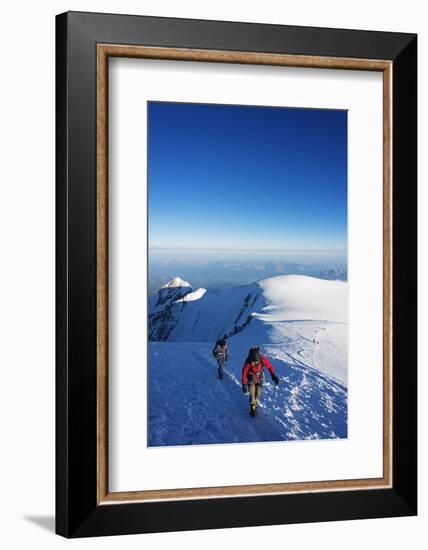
(299,322)
(293,297)
(188,404)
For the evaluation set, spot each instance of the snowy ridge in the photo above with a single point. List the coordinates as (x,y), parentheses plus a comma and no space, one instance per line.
(210,315)
(297,297)
(196,295)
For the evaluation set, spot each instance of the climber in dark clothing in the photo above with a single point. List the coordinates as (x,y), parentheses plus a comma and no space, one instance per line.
(253,376)
(221,353)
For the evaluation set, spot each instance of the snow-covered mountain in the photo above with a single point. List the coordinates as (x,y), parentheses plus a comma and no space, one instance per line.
(178,313)
(299,322)
(164,308)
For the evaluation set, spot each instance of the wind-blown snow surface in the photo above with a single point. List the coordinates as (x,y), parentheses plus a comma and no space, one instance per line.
(301,325)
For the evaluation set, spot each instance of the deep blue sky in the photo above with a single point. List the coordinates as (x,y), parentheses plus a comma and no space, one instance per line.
(238,177)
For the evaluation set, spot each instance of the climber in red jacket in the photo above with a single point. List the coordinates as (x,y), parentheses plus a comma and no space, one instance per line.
(253,376)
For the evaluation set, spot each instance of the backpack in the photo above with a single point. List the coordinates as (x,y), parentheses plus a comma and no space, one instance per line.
(256,373)
(220,350)
(215,350)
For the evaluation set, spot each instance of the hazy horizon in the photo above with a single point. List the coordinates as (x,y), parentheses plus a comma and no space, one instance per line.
(217,270)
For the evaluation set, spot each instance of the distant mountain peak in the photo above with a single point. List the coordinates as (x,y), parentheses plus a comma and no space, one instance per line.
(176,282)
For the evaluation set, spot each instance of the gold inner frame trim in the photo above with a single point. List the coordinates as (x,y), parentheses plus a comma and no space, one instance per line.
(104,51)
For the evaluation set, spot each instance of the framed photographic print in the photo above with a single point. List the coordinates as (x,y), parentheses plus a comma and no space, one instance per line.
(236,274)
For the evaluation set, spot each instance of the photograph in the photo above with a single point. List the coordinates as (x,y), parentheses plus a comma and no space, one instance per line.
(235,274)
(247,274)
(212,308)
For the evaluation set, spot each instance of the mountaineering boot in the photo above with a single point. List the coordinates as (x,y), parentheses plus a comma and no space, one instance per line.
(253,409)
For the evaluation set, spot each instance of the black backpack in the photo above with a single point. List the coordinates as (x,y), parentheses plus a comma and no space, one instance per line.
(220,348)
(216,346)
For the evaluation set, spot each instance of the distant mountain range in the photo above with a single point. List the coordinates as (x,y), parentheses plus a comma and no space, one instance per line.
(222,274)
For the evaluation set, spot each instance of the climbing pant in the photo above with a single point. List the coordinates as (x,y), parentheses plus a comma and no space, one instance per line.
(255,393)
(220,362)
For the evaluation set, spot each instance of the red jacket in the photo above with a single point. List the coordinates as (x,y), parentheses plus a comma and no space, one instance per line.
(257,369)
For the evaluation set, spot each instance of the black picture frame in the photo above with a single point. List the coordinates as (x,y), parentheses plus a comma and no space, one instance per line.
(77,512)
